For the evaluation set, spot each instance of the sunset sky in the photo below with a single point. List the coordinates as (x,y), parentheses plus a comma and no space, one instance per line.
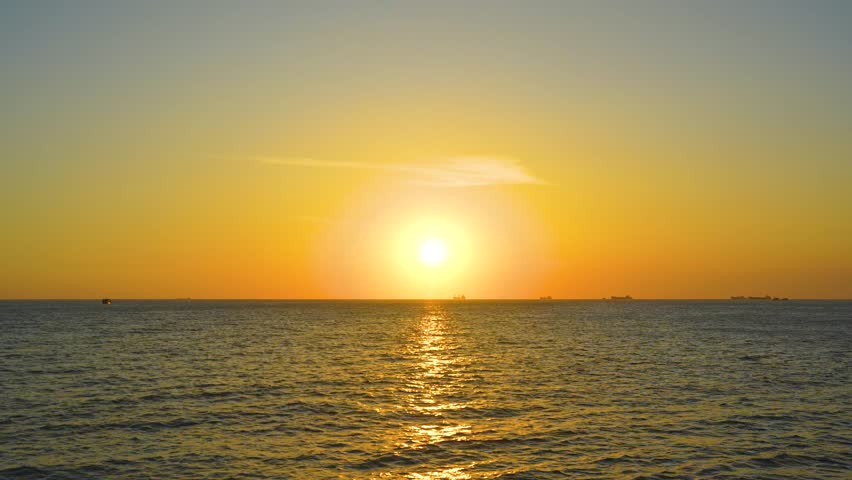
(425,149)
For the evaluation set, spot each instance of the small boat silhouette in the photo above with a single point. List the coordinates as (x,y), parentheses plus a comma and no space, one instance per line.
(765,297)
(106,301)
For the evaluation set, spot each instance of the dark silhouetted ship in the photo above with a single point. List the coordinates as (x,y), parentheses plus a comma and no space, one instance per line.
(626,297)
(106,301)
(765,297)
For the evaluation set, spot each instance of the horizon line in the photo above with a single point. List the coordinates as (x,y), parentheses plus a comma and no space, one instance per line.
(449,299)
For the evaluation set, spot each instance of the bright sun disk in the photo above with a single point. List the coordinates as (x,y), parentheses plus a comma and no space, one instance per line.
(432,252)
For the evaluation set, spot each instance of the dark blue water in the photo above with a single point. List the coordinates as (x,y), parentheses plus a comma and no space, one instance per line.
(425,390)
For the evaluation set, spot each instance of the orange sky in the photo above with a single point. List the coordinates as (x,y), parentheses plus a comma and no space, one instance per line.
(299,152)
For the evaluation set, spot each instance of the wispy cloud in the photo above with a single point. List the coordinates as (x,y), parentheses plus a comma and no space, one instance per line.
(449,172)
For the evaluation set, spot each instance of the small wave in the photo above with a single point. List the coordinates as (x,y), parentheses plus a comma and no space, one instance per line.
(664,475)
(392,459)
(766,418)
(790,460)
(616,459)
(535,474)
(714,470)
(135,426)
(752,358)
(24,472)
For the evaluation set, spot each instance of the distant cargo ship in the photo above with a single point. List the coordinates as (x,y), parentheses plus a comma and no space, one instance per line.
(106,301)
(765,297)
(626,297)
(459,297)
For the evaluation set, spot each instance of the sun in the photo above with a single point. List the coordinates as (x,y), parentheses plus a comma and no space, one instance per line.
(432,252)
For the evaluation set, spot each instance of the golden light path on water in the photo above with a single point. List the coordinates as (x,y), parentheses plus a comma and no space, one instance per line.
(433,388)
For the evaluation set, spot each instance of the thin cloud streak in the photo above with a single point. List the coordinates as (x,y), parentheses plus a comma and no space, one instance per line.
(451,172)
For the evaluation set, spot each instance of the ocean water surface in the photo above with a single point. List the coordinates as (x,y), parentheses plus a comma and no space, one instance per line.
(425,390)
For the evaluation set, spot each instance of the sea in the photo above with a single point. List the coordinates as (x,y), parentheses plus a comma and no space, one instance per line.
(425,389)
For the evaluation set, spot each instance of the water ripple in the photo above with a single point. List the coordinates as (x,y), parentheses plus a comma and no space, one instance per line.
(425,390)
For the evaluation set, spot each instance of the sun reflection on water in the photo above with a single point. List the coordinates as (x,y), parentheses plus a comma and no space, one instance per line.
(457,473)
(432,389)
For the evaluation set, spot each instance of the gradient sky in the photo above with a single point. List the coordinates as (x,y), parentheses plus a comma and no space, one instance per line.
(299,150)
